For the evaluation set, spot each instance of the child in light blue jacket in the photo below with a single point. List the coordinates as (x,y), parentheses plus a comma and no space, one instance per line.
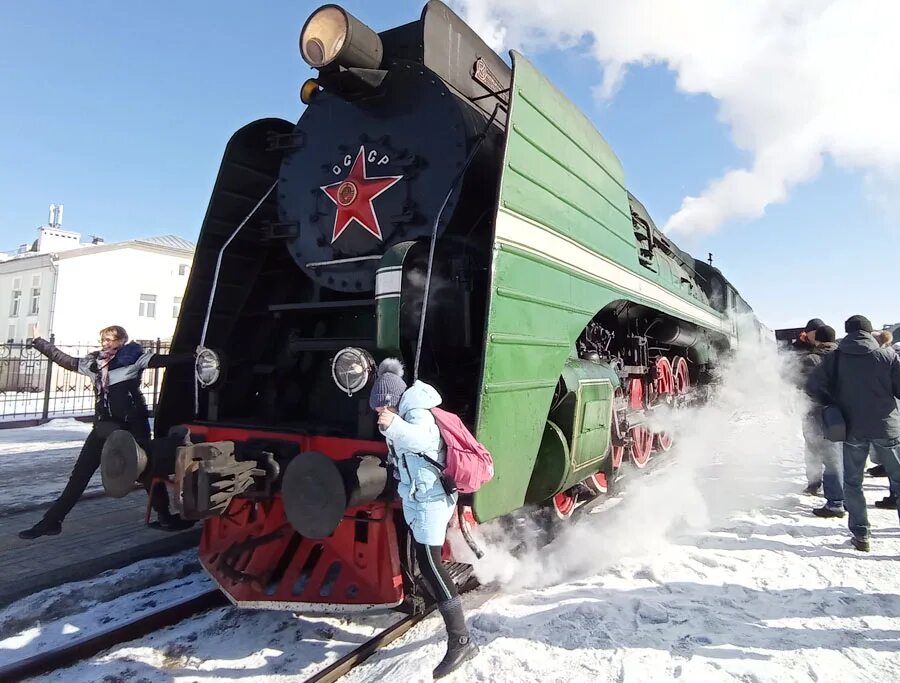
(415,445)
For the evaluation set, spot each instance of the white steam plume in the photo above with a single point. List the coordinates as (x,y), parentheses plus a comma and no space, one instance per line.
(797,81)
(731,454)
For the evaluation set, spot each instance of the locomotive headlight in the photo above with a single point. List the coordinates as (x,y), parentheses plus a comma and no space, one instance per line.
(332,35)
(207,367)
(351,369)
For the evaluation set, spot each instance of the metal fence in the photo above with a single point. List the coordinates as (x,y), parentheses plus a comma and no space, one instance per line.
(33,388)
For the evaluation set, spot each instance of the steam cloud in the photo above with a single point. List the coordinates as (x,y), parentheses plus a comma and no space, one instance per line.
(797,81)
(731,453)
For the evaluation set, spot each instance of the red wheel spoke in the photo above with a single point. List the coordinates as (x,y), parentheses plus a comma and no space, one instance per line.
(618,454)
(682,377)
(641,446)
(641,437)
(597,483)
(665,391)
(564,504)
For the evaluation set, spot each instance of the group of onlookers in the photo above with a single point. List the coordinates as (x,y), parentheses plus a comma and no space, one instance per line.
(860,378)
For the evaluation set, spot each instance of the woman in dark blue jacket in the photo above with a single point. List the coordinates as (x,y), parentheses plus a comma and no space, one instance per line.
(116,373)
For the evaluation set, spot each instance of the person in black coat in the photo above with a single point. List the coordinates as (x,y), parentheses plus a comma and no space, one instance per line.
(116,373)
(863,380)
(824,461)
(805,348)
(806,342)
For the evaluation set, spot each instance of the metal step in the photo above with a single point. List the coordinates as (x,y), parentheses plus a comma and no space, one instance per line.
(460,572)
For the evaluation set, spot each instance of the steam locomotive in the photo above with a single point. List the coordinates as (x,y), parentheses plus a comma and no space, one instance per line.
(436,204)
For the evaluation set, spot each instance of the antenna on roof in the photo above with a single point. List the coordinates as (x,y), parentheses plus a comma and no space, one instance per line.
(56,215)
(709,260)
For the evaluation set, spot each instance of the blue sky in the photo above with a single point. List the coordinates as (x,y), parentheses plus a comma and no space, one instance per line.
(121,111)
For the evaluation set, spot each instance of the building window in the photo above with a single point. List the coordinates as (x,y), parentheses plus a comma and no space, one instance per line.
(11,334)
(147,308)
(176,306)
(35,301)
(15,303)
(182,269)
(31,330)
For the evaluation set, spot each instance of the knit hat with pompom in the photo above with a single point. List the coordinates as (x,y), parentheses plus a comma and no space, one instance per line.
(389,385)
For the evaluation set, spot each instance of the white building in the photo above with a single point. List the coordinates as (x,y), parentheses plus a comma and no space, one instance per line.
(72,290)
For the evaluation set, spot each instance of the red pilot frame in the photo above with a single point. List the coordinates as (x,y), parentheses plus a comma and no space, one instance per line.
(259,561)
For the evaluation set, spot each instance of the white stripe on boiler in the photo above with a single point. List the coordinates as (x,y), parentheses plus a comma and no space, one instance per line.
(542,241)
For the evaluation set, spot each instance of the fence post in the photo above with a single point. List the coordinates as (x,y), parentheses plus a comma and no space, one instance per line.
(48,383)
(156,378)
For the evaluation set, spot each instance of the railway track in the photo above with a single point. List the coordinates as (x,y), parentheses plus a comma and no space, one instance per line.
(88,646)
(357,656)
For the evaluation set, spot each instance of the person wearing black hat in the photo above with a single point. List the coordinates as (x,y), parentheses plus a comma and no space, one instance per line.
(863,380)
(824,463)
(805,346)
(806,342)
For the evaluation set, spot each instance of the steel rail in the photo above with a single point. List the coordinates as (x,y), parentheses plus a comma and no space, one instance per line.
(357,656)
(89,645)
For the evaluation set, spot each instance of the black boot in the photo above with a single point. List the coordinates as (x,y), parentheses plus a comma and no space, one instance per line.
(877,471)
(826,511)
(460,647)
(42,528)
(170,522)
(887,503)
(861,544)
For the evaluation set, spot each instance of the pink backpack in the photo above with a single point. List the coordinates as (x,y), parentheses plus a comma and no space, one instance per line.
(469,463)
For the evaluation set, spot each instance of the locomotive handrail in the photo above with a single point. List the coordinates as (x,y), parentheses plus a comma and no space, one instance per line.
(337,261)
(212,292)
(215,282)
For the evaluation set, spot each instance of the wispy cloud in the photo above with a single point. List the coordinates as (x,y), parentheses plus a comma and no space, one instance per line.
(796,80)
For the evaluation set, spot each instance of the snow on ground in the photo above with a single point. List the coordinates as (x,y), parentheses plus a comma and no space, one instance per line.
(35,463)
(41,620)
(229,644)
(221,644)
(709,567)
(775,595)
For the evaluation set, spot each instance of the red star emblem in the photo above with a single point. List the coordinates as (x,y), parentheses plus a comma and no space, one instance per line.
(353,197)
